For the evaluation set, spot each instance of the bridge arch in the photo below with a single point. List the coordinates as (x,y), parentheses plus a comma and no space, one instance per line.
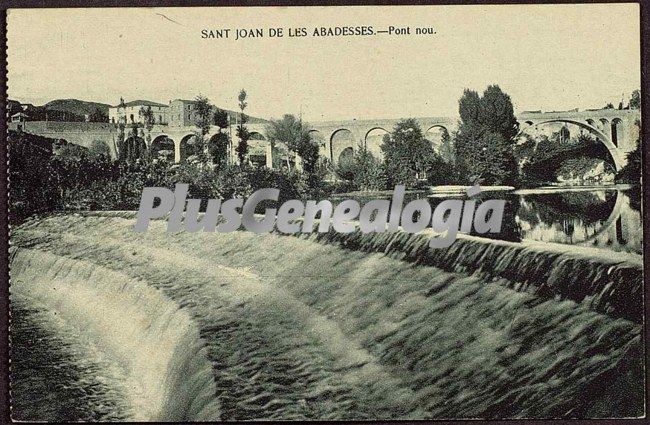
(435,135)
(616,131)
(605,125)
(255,135)
(602,137)
(373,140)
(162,146)
(340,140)
(188,146)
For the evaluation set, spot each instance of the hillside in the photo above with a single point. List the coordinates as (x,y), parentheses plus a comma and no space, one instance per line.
(234,117)
(75,106)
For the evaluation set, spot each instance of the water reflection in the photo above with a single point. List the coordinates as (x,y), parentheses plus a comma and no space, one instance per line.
(607,218)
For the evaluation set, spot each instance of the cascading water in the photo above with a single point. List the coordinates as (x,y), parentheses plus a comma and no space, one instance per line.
(162,371)
(367,326)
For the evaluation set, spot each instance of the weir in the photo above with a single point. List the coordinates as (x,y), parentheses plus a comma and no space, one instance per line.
(167,377)
(392,329)
(610,283)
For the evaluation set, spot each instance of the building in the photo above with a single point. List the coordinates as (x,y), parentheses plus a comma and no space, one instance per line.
(182,113)
(129,112)
(19,117)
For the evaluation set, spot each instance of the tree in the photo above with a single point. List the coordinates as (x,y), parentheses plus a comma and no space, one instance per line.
(220,119)
(610,105)
(121,128)
(134,148)
(368,171)
(294,134)
(203,117)
(407,154)
(98,116)
(635,99)
(485,139)
(546,159)
(242,132)
(446,150)
(148,121)
(219,144)
(99,150)
(218,149)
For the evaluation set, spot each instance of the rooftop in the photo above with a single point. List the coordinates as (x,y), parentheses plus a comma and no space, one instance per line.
(141,103)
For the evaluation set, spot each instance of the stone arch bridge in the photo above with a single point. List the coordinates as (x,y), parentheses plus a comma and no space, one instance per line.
(614,128)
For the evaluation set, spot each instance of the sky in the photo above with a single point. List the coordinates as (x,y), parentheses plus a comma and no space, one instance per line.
(546,57)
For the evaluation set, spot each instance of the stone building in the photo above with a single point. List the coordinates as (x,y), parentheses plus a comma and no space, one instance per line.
(129,112)
(182,112)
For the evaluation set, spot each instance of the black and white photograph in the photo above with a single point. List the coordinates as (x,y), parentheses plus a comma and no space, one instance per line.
(414,212)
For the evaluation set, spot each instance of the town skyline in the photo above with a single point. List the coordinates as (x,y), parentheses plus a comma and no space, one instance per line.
(234,109)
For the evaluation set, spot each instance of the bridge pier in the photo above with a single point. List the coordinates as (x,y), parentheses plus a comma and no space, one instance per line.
(336,136)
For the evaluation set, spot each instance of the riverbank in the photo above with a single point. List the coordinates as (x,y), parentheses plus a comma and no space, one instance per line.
(555,189)
(452,190)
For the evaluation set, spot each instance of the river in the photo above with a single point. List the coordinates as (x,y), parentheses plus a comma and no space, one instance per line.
(605,217)
(109,324)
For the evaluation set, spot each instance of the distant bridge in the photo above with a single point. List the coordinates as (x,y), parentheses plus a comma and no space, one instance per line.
(614,128)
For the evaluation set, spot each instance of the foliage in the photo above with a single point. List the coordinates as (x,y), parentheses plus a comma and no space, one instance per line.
(368,171)
(346,167)
(148,120)
(408,156)
(242,180)
(635,99)
(218,149)
(525,148)
(201,180)
(133,149)
(484,142)
(32,177)
(446,150)
(581,168)
(293,133)
(99,150)
(203,117)
(98,116)
(542,162)
(242,132)
(220,118)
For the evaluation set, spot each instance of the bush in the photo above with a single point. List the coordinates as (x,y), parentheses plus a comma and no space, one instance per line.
(361,171)
(631,172)
(75,178)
